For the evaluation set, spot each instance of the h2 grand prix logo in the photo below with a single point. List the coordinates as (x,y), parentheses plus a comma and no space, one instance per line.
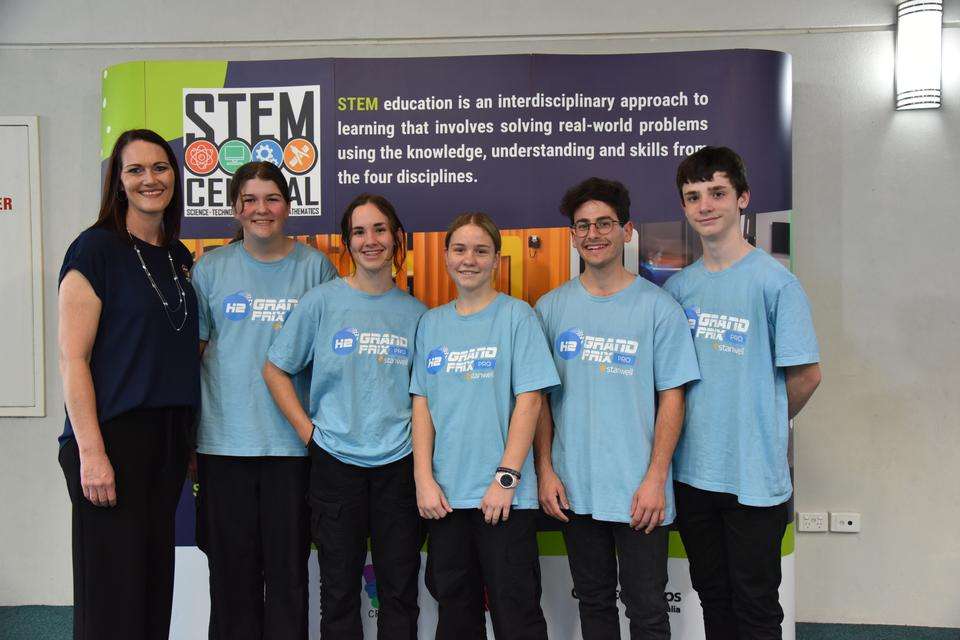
(569,343)
(223,129)
(474,363)
(345,341)
(614,355)
(727,333)
(436,359)
(242,305)
(387,347)
(237,306)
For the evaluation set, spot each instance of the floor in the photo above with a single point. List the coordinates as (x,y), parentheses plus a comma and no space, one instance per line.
(56,623)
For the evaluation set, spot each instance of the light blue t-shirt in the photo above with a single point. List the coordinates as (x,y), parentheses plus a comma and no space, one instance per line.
(470,369)
(613,353)
(748,322)
(242,305)
(361,349)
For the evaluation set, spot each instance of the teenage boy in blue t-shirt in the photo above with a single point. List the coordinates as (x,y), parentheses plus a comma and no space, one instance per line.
(758,354)
(603,448)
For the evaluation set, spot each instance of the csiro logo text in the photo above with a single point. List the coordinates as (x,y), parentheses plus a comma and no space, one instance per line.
(435,359)
(569,343)
(237,306)
(345,341)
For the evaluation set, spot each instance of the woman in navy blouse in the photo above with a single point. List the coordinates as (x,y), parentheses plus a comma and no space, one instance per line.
(130,369)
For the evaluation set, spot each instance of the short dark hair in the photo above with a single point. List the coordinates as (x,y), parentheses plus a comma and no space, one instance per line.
(701,165)
(609,192)
(261,171)
(113,201)
(396,227)
(479,219)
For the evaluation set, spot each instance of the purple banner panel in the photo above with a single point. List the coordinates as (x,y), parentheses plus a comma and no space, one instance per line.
(505,134)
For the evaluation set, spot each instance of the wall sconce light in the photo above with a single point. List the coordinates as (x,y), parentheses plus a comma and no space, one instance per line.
(919,23)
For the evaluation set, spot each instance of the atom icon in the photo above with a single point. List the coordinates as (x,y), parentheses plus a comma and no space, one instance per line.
(201,157)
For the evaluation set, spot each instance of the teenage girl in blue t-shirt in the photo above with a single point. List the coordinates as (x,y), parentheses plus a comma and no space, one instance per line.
(482,364)
(252,517)
(356,335)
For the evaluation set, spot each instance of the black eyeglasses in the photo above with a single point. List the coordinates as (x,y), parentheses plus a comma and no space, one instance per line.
(604,226)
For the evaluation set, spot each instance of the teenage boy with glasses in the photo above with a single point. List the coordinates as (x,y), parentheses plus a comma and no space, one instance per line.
(604,444)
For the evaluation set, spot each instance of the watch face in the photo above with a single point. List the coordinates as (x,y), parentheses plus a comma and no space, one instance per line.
(506,480)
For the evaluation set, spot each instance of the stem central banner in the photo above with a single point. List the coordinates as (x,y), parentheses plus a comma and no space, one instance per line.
(500,134)
(506,135)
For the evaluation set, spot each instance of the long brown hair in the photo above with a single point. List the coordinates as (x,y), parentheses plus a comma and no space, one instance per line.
(396,227)
(113,201)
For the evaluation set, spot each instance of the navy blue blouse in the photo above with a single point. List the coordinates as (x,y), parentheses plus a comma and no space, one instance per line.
(139,360)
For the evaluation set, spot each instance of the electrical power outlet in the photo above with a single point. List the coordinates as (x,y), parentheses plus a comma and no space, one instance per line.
(811,521)
(844,522)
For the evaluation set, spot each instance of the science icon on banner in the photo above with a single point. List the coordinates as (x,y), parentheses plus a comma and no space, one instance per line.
(223,129)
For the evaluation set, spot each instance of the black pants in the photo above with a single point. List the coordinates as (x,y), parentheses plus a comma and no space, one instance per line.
(253,524)
(123,556)
(734,553)
(594,548)
(349,503)
(466,554)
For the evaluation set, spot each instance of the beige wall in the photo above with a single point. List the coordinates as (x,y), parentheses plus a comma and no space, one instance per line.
(875,209)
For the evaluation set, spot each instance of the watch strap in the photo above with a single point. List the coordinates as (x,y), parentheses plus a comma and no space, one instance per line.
(513,472)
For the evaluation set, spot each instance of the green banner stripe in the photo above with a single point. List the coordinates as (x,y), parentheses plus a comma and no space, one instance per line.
(164,87)
(124,104)
(129,87)
(675,547)
(789,543)
(551,544)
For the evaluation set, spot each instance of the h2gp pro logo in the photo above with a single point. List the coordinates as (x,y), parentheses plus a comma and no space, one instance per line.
(727,332)
(345,341)
(619,353)
(388,348)
(569,343)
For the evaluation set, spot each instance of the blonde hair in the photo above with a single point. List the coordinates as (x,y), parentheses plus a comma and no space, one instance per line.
(482,220)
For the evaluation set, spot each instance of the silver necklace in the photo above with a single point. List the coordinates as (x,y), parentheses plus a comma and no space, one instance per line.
(176,281)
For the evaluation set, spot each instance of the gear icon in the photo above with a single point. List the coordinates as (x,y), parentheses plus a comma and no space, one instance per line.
(265,154)
(268,151)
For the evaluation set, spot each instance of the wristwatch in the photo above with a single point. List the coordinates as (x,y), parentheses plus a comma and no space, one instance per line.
(507,478)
